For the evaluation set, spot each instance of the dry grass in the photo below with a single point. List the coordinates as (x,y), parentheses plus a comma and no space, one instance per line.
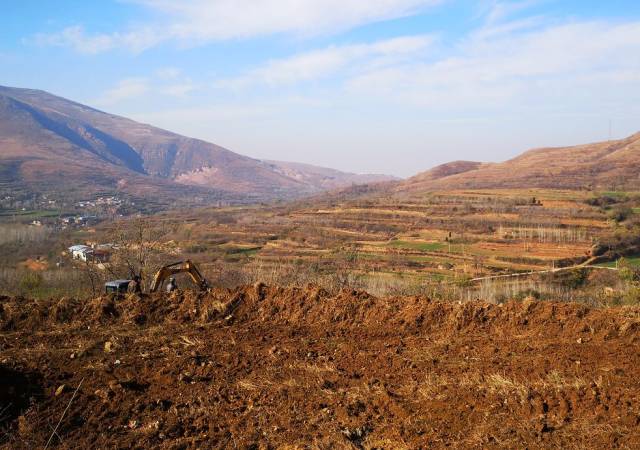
(505,387)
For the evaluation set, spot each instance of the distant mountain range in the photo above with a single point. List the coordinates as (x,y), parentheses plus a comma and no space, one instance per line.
(55,146)
(50,144)
(607,165)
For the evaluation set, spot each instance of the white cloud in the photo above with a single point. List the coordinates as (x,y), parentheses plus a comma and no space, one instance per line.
(126,89)
(205,115)
(167,81)
(179,89)
(325,62)
(500,18)
(168,73)
(542,66)
(76,38)
(224,19)
(500,10)
(202,21)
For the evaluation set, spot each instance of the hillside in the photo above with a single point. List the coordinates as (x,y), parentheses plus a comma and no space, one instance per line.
(323,178)
(443,171)
(52,144)
(43,152)
(605,165)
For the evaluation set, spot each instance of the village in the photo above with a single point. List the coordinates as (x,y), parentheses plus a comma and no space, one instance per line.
(43,210)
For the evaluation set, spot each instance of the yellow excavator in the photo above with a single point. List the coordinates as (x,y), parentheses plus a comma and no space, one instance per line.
(176,268)
(122,286)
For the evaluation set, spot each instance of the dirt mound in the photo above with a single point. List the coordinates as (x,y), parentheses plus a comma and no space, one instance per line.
(316,307)
(265,367)
(35,265)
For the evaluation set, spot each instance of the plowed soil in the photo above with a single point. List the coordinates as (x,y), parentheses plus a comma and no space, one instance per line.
(260,367)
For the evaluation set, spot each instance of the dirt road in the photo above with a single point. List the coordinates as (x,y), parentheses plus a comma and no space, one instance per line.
(263,367)
(541,272)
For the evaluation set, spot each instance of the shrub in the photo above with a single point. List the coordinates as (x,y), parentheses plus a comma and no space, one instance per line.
(571,279)
(31,281)
(528,293)
(603,201)
(632,295)
(620,214)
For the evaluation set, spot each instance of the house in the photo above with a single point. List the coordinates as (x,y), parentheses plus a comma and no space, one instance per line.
(99,256)
(79,251)
(89,254)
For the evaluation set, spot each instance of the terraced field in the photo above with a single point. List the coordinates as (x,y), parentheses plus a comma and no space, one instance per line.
(417,239)
(377,240)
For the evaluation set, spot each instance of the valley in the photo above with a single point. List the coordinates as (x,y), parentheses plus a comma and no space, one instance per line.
(387,243)
(476,317)
(319,225)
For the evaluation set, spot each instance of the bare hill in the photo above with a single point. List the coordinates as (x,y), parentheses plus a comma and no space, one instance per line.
(323,178)
(50,142)
(604,165)
(443,171)
(45,151)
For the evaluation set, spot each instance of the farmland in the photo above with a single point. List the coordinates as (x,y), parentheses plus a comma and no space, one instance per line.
(382,241)
(395,243)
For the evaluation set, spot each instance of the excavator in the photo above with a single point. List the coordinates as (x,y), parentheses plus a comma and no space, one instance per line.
(122,286)
(176,268)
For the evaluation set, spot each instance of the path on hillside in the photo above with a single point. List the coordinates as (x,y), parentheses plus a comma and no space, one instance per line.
(585,265)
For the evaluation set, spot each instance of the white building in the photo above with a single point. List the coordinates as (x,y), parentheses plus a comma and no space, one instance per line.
(79,251)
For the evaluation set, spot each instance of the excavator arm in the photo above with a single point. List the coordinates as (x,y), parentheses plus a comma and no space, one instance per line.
(176,268)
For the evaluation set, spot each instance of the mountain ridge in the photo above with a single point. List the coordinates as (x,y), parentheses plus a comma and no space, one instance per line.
(602,165)
(48,138)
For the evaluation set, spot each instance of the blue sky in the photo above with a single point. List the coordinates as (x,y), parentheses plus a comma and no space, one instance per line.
(387,86)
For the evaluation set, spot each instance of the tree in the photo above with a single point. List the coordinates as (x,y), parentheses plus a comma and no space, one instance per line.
(139,248)
(92,275)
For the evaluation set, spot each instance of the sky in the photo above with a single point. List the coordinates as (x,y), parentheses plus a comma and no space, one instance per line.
(367,86)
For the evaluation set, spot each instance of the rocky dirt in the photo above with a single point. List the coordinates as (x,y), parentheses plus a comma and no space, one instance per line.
(260,367)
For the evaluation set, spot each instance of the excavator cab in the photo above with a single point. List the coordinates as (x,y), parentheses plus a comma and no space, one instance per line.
(179,267)
(118,287)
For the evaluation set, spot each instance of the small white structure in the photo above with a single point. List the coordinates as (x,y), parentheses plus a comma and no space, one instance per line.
(80,251)
(89,254)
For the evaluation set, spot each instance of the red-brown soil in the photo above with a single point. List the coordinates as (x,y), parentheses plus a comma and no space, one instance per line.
(260,367)
(35,265)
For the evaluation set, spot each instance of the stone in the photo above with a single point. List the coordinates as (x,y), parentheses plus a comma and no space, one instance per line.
(61,389)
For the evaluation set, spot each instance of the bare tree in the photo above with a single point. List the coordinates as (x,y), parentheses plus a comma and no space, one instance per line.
(92,275)
(139,248)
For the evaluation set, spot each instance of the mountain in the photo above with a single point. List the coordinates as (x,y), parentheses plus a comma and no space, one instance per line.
(440,172)
(605,165)
(50,144)
(322,178)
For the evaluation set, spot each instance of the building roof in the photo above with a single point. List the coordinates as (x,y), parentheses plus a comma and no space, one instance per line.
(78,247)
